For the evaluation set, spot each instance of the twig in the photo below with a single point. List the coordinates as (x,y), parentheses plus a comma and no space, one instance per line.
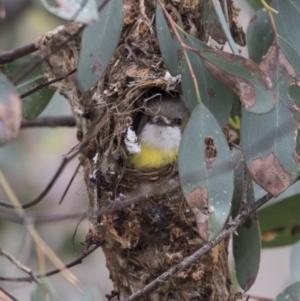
(49,121)
(56,271)
(48,83)
(163,278)
(19,265)
(6,294)
(257,298)
(15,54)
(64,162)
(70,183)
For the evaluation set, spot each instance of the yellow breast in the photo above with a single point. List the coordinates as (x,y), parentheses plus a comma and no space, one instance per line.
(153,158)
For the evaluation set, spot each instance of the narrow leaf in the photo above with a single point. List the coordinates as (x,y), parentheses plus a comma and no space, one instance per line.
(168,43)
(99,42)
(85,11)
(34,104)
(246,244)
(215,28)
(10,111)
(279,222)
(266,138)
(244,77)
(291,293)
(214,95)
(260,35)
(206,173)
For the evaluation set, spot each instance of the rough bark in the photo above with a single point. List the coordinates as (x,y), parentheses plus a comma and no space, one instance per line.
(157,229)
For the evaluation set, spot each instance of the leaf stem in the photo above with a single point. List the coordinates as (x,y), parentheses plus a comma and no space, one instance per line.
(184,49)
(268,7)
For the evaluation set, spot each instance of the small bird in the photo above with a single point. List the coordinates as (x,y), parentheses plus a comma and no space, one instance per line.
(159,133)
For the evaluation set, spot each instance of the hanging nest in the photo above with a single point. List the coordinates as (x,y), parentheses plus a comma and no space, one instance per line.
(143,217)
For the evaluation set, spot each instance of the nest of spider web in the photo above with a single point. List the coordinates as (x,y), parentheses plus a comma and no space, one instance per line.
(142,215)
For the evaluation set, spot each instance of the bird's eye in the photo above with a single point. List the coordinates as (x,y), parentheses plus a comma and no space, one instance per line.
(178,121)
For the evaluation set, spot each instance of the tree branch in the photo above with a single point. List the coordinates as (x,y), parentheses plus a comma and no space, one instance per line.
(15,54)
(48,83)
(19,265)
(231,227)
(47,189)
(49,121)
(11,298)
(56,271)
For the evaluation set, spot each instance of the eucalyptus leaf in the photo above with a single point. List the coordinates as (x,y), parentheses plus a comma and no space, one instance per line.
(266,138)
(244,77)
(246,244)
(260,35)
(98,45)
(206,172)
(291,293)
(168,43)
(214,94)
(84,11)
(280,223)
(34,104)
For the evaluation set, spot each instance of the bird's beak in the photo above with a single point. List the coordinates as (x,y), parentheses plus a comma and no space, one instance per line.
(160,120)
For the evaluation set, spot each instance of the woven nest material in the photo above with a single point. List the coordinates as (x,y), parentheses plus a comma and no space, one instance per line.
(143,216)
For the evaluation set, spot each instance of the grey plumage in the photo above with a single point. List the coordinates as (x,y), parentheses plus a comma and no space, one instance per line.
(173,108)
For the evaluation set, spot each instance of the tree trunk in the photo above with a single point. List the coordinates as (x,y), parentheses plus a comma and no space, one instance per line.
(157,229)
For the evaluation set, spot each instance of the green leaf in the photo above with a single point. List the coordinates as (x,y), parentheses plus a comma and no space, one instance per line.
(214,24)
(84,11)
(34,104)
(211,23)
(168,43)
(214,95)
(260,35)
(269,141)
(90,293)
(288,21)
(246,244)
(43,289)
(206,172)
(256,4)
(280,223)
(244,77)
(291,293)
(220,14)
(10,111)
(98,45)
